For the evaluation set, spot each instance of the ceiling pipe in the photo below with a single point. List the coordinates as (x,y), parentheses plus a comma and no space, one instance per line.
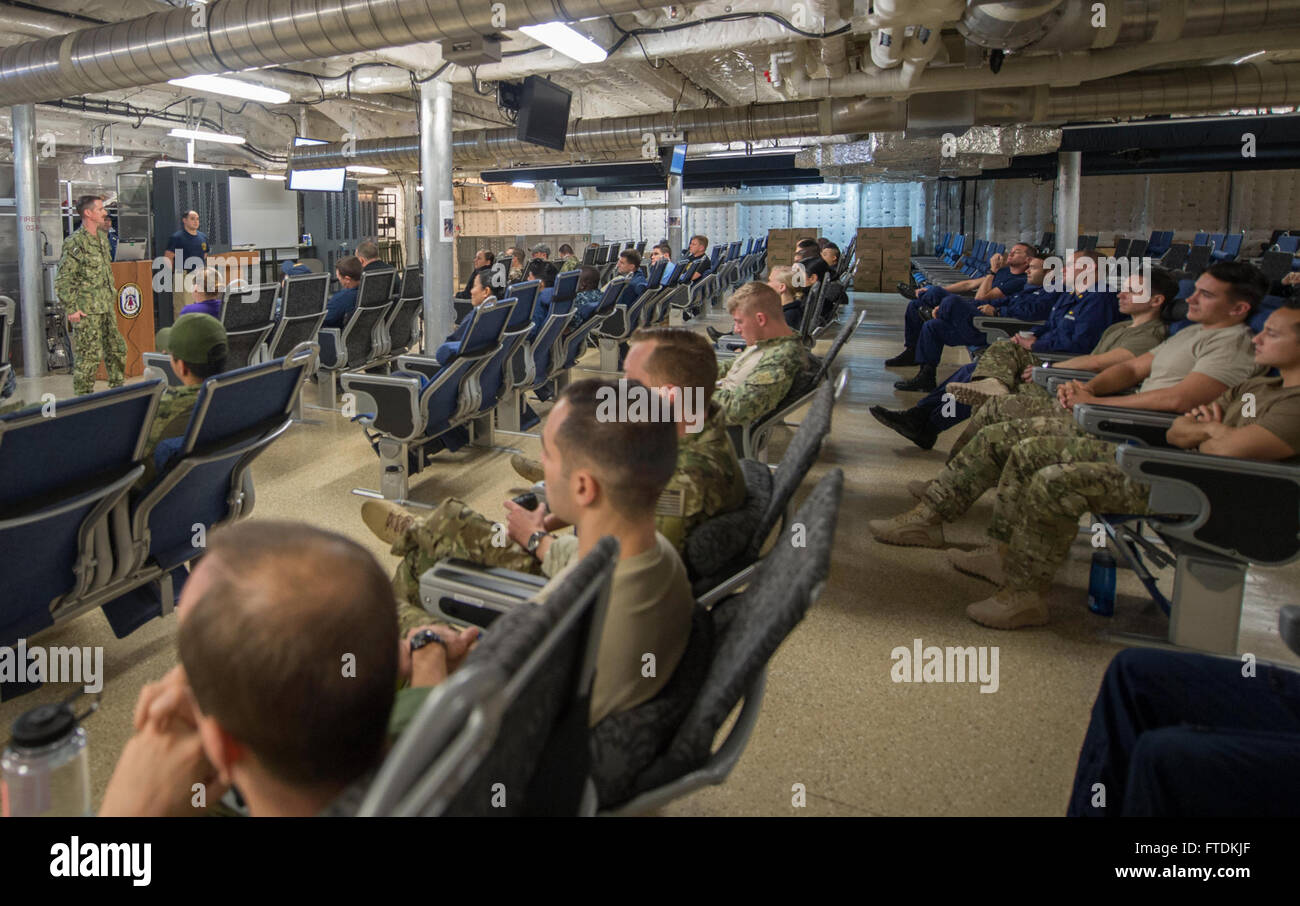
(236,35)
(622,134)
(1204,90)
(1053,70)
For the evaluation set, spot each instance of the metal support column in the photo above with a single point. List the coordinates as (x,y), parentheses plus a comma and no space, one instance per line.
(1068,174)
(435,206)
(410,221)
(675,211)
(31,297)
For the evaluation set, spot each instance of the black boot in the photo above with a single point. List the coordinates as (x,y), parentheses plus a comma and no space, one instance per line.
(905,290)
(924,380)
(906,357)
(911,423)
(715,335)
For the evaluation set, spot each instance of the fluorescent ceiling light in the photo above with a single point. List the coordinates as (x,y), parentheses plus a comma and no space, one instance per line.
(234,88)
(102,159)
(374,171)
(278,177)
(1248,56)
(202,135)
(566,41)
(161,164)
(522,185)
(740,152)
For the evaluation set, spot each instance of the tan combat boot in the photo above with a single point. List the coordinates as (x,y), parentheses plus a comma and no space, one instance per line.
(527,468)
(977,393)
(920,526)
(983,562)
(386,519)
(1011,608)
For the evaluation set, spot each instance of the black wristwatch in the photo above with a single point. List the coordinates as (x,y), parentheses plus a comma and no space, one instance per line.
(426,637)
(535,539)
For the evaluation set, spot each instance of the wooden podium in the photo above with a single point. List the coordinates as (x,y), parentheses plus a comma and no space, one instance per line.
(133,309)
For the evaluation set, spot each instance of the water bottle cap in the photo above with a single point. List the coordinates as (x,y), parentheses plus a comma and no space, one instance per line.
(44,725)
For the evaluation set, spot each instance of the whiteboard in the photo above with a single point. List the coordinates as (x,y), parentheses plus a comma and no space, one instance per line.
(262,214)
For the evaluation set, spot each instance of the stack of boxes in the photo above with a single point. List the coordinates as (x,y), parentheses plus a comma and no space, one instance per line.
(781,243)
(884,258)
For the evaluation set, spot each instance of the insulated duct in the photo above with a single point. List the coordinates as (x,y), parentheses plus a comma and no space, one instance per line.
(232,35)
(1205,90)
(626,133)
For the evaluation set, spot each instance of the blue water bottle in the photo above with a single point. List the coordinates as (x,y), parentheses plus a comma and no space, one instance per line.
(1101,584)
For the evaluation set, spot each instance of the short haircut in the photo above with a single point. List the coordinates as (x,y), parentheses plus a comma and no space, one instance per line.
(1033,252)
(703,240)
(681,356)
(268,647)
(1163,284)
(542,248)
(808,243)
(349,267)
(832,246)
(566,249)
(633,460)
(216,363)
(783,273)
(631,256)
(367,248)
(665,248)
(208,279)
(823,242)
(1246,283)
(543,270)
(1090,254)
(187,212)
(755,297)
(518,254)
(588,278)
(483,278)
(86,202)
(1292,303)
(489,256)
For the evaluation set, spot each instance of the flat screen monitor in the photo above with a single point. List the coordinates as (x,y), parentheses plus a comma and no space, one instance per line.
(314,180)
(543,113)
(678,162)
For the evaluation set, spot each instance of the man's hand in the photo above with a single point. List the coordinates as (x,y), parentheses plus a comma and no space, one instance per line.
(160,764)
(164,701)
(76,316)
(1024,342)
(1073,393)
(996,262)
(553,523)
(1027,375)
(522,523)
(1291,279)
(1210,419)
(988,310)
(433,663)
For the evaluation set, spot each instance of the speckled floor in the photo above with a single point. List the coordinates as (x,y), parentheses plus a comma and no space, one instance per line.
(833,720)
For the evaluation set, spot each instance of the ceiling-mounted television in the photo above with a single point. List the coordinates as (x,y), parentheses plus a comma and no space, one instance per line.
(314,180)
(543,113)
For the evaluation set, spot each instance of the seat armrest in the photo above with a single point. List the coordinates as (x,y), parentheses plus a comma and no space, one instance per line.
(333,354)
(1053,356)
(1142,426)
(996,328)
(731,343)
(464,592)
(1047,377)
(1288,626)
(1223,495)
(423,364)
(396,402)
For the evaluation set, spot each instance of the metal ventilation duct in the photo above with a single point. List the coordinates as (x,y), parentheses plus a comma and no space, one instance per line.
(231,35)
(626,133)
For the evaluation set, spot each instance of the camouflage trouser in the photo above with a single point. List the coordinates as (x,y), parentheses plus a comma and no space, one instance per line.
(1028,401)
(95,338)
(1005,361)
(452,530)
(1046,520)
(978,467)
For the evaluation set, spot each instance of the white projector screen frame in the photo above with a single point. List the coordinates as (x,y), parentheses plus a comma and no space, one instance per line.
(262,214)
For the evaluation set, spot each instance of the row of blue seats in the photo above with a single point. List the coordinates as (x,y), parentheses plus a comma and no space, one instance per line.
(77,533)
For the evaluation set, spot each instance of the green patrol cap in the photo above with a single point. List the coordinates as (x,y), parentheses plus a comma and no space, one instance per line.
(193,337)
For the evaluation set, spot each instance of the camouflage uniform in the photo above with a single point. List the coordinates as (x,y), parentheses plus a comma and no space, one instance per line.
(1026,401)
(978,467)
(748,390)
(85,283)
(707,481)
(456,530)
(11,406)
(171,420)
(1046,520)
(1005,361)
(570,264)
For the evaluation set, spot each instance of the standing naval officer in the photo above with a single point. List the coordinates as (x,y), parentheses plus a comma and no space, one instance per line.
(85,287)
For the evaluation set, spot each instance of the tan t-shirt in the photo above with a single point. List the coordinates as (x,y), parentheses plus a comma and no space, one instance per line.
(650,604)
(1224,354)
(1277,409)
(1139,339)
